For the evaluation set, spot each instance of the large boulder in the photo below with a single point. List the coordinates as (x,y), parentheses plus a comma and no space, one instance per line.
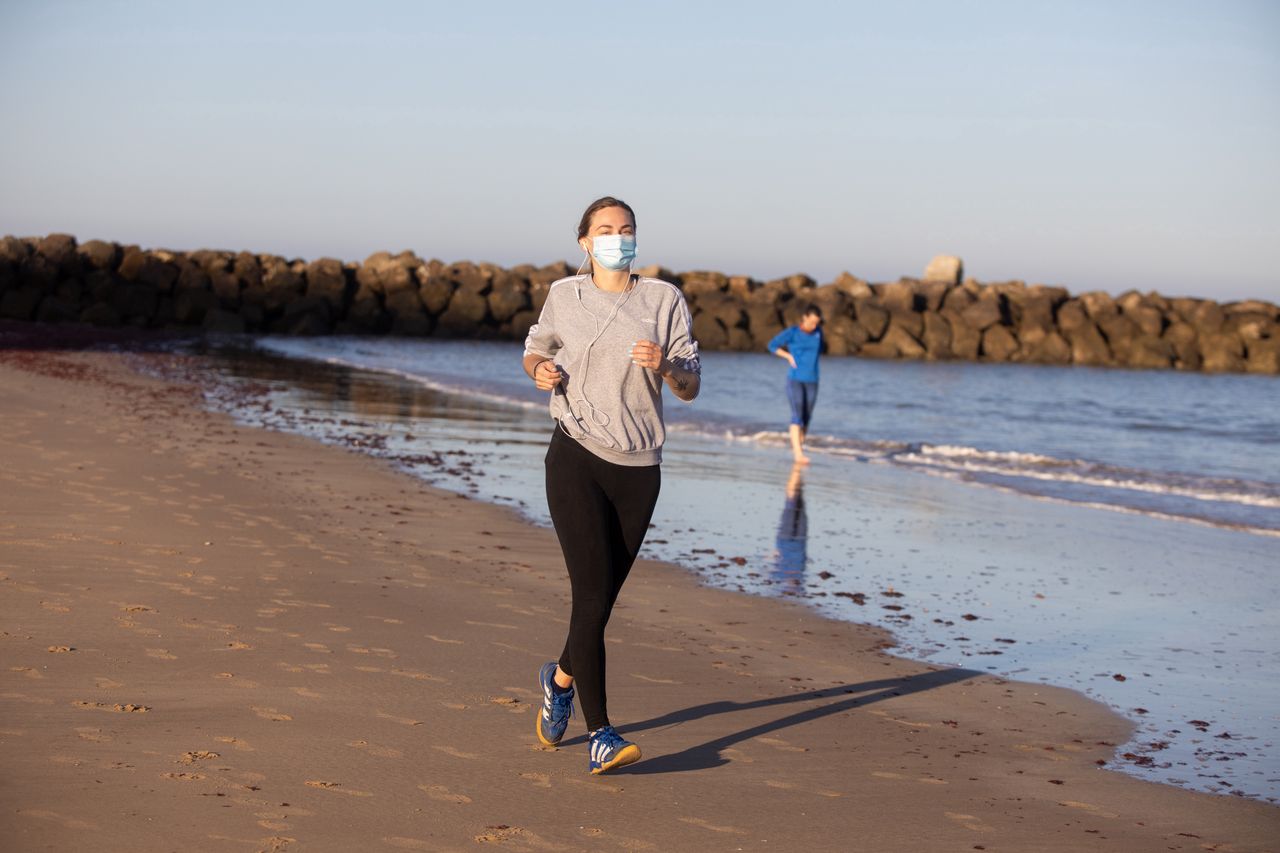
(366,313)
(248,270)
(843,336)
(871,317)
(465,315)
(945,268)
(470,278)
(998,344)
(763,322)
(906,344)
(1088,347)
(1047,348)
(1253,306)
(1120,332)
(1221,352)
(60,251)
(1147,316)
(326,280)
(1263,356)
(900,295)
(1098,304)
(99,255)
(909,321)
(931,295)
(853,287)
(436,289)
(281,284)
(148,268)
(936,336)
(191,305)
(1182,337)
(408,317)
(965,340)
(1208,317)
(509,295)
(708,331)
(1150,352)
(985,312)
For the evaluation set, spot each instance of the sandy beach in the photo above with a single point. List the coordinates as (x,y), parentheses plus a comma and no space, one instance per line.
(221,638)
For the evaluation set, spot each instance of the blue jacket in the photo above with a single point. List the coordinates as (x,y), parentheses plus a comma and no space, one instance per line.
(804,348)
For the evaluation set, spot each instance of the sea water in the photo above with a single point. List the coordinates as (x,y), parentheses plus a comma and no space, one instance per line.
(1116,532)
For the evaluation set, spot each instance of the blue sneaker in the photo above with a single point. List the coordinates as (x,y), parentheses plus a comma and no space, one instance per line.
(557,707)
(609,750)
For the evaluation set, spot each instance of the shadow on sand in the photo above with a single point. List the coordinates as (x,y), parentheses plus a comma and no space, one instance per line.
(850,696)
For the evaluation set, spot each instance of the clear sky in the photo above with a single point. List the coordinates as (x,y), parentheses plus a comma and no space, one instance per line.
(1128,143)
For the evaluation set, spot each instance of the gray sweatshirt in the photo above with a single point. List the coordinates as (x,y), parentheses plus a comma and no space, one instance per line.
(611,406)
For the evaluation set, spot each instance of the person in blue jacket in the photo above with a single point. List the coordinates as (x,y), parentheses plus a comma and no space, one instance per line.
(800,346)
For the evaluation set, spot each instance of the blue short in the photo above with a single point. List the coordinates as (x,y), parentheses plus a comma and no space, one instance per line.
(802,396)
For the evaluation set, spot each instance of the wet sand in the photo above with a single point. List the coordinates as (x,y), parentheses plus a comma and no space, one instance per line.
(221,638)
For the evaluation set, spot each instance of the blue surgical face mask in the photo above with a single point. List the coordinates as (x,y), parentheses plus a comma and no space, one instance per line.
(614,251)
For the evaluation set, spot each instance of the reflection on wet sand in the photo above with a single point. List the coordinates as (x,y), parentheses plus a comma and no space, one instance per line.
(793,530)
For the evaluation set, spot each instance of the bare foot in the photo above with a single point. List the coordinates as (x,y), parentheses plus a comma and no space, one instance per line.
(801,459)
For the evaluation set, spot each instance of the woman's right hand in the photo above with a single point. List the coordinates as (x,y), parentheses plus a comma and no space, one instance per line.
(791,360)
(546,376)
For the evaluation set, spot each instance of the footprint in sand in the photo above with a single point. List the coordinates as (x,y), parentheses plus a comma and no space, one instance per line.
(404,721)
(237,645)
(336,787)
(445,640)
(380,751)
(501,832)
(778,743)
(118,708)
(27,671)
(456,753)
(57,650)
(108,683)
(197,755)
(970,822)
(539,780)
(736,755)
(443,794)
(706,824)
(924,780)
(270,714)
(1088,807)
(183,777)
(238,682)
(304,692)
(240,745)
(93,735)
(161,654)
(417,676)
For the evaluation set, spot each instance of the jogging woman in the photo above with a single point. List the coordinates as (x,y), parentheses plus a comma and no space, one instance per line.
(604,346)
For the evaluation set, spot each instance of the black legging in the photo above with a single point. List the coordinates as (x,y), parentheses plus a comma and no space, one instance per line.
(601,513)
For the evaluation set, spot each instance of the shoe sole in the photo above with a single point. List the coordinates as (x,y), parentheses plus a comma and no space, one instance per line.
(628,755)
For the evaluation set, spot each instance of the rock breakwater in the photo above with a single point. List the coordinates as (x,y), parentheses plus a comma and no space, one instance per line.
(939,316)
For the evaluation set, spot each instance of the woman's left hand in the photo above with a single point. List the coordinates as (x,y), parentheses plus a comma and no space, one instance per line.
(648,355)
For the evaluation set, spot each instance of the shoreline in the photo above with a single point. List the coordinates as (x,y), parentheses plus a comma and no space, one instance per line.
(330,708)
